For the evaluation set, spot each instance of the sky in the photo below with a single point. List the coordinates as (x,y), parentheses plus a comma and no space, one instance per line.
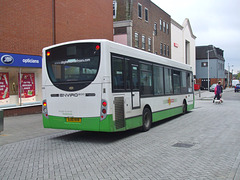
(213,22)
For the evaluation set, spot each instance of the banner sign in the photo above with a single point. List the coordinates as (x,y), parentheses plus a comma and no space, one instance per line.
(20,60)
(27,85)
(4,86)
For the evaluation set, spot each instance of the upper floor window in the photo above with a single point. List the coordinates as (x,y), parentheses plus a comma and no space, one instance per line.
(146,14)
(161,49)
(149,44)
(167,28)
(168,51)
(139,10)
(160,24)
(164,26)
(136,40)
(164,50)
(155,29)
(143,42)
(114,9)
(204,64)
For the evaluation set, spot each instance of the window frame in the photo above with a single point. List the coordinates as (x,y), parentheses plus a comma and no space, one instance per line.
(155,29)
(149,44)
(136,40)
(160,24)
(143,42)
(139,12)
(146,14)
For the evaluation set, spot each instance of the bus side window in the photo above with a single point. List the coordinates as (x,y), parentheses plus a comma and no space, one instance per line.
(117,73)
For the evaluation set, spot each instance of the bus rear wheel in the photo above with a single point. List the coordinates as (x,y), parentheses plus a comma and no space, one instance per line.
(147,119)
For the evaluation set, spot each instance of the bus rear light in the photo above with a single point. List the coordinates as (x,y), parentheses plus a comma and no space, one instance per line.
(103,112)
(104,103)
(97,47)
(48,53)
(44,109)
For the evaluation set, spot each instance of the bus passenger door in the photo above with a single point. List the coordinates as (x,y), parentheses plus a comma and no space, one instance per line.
(135,86)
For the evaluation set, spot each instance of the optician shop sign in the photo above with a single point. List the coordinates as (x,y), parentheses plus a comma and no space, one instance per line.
(20,60)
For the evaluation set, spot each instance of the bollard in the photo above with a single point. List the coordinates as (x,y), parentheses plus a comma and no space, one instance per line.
(1,120)
(199,93)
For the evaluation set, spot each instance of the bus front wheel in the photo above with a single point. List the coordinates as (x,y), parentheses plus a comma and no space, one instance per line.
(147,119)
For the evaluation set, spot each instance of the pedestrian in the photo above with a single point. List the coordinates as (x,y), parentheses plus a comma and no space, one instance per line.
(215,94)
(219,90)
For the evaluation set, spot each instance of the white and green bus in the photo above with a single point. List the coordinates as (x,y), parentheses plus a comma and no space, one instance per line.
(99,85)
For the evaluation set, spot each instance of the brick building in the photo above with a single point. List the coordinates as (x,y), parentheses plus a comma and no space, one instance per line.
(26,26)
(142,24)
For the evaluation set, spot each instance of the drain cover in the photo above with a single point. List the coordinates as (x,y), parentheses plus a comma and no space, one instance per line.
(184,145)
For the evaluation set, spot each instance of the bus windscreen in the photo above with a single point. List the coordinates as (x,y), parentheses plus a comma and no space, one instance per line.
(74,65)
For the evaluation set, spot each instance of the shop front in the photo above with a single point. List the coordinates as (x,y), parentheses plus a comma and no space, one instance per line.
(20,80)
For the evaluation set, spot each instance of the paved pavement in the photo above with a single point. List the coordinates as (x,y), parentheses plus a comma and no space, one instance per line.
(203,144)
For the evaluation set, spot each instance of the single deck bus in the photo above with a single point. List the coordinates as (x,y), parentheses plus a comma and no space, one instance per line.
(99,85)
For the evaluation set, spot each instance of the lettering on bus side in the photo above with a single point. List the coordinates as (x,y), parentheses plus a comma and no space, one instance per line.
(71,95)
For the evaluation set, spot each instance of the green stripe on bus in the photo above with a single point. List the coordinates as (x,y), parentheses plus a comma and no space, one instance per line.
(108,125)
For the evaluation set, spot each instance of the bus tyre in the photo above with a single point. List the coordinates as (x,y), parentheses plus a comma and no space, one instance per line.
(184,108)
(147,119)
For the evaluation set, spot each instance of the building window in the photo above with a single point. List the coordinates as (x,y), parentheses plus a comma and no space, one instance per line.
(114,9)
(136,40)
(139,10)
(143,42)
(164,26)
(204,64)
(146,14)
(149,44)
(155,29)
(164,50)
(167,28)
(168,51)
(160,24)
(161,49)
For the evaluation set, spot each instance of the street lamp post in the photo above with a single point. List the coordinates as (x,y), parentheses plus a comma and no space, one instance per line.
(208,66)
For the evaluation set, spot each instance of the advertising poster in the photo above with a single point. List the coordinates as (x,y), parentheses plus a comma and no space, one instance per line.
(27,85)
(4,87)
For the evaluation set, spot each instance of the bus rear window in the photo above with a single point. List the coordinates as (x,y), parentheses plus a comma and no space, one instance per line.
(75,64)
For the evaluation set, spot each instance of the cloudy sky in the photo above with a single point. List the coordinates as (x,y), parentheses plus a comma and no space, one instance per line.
(214,22)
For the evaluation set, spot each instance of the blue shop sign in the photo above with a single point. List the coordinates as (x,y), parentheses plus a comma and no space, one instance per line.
(20,60)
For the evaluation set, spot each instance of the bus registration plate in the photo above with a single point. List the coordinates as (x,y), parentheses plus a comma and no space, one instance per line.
(71,119)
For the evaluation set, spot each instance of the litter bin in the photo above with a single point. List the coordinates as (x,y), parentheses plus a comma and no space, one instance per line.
(1,120)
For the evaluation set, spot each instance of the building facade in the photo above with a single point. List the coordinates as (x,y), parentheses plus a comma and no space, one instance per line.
(143,25)
(28,26)
(183,43)
(209,57)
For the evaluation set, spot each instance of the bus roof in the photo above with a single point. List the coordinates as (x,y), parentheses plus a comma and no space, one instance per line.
(129,51)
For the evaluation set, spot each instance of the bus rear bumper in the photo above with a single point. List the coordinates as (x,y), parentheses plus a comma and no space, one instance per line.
(86,124)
